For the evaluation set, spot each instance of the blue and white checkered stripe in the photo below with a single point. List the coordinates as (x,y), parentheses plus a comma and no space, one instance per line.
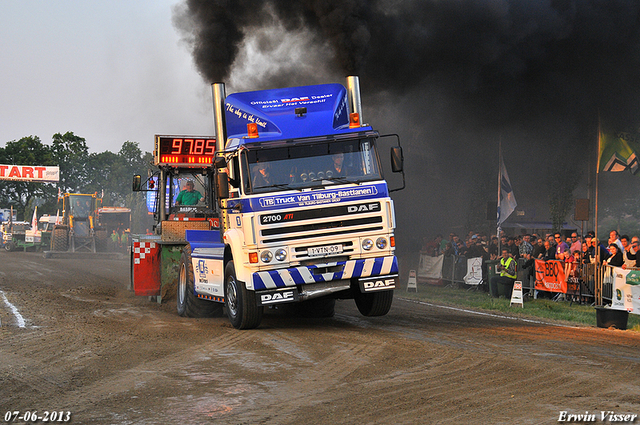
(300,275)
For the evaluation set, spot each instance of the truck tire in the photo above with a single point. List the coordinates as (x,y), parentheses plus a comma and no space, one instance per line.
(374,303)
(59,240)
(242,308)
(9,246)
(189,305)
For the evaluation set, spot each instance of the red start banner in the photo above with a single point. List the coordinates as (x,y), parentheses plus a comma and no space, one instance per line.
(29,173)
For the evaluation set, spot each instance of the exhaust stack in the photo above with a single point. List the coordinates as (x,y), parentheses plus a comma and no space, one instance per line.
(355,102)
(219,96)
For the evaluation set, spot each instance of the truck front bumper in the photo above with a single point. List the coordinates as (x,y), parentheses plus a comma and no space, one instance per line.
(325,272)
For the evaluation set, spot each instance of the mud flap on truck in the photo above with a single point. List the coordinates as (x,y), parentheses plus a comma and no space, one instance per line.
(279,296)
(378,283)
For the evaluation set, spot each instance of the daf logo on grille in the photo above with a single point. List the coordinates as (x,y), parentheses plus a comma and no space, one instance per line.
(363,208)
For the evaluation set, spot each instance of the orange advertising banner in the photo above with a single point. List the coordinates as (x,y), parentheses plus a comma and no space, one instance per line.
(551,276)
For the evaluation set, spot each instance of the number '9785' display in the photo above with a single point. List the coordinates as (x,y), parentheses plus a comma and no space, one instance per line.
(184,151)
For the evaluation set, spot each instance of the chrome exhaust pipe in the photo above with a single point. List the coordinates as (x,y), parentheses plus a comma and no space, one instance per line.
(353,93)
(218,115)
(321,289)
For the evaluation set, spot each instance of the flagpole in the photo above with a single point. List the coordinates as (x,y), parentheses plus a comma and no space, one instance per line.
(597,177)
(598,277)
(499,193)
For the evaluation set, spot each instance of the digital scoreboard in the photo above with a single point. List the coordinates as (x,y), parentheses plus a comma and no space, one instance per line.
(184,151)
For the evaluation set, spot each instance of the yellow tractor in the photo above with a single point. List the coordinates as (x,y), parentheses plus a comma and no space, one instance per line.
(79,230)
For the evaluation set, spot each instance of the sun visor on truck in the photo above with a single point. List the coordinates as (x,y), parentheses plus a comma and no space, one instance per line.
(289,113)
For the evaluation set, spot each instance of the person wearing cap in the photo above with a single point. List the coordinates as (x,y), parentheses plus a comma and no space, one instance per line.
(474,249)
(188,196)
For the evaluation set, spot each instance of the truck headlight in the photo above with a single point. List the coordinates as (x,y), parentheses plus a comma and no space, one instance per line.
(281,254)
(367,244)
(381,243)
(266,256)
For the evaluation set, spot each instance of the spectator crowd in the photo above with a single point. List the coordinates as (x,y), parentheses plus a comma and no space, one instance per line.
(618,251)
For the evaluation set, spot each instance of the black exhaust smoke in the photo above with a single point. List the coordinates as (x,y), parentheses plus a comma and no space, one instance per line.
(452,77)
(513,59)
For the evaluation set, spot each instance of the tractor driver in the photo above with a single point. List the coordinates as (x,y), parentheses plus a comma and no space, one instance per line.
(189,196)
(81,209)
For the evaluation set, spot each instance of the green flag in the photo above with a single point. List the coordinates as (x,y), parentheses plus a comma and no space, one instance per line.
(618,152)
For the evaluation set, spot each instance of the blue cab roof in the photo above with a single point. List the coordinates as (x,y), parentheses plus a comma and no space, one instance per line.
(274,113)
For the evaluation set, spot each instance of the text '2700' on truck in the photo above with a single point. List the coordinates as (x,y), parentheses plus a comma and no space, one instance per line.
(305,214)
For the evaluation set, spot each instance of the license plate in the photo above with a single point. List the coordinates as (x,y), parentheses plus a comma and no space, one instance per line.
(324,250)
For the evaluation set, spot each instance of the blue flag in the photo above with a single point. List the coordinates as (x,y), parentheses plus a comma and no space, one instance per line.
(506,199)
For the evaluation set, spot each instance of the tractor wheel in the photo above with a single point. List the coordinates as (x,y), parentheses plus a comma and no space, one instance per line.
(374,303)
(189,305)
(59,239)
(10,246)
(242,308)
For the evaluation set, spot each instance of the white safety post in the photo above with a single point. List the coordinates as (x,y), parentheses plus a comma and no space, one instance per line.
(516,294)
(412,283)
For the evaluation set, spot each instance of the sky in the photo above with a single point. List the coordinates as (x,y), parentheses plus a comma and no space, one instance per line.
(108,71)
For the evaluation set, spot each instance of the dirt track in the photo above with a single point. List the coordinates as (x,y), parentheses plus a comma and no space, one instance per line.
(89,346)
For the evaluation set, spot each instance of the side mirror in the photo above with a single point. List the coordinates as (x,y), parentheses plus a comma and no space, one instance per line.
(137,183)
(220,162)
(222,186)
(397,159)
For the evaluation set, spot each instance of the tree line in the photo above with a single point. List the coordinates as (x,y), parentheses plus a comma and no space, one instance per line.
(107,174)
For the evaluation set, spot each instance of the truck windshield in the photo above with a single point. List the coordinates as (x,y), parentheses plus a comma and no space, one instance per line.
(303,166)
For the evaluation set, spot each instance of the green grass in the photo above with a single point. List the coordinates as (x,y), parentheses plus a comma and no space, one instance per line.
(562,311)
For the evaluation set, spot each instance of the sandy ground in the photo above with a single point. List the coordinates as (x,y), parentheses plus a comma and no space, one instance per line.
(90,347)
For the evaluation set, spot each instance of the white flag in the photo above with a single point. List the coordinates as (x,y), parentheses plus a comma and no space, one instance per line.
(506,199)
(34,220)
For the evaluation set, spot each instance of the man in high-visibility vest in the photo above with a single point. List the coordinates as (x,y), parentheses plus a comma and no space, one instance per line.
(507,269)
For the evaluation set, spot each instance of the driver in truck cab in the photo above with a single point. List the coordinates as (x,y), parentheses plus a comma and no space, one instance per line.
(188,196)
(262,175)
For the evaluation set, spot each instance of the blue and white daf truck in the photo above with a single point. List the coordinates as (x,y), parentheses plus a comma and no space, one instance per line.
(302,212)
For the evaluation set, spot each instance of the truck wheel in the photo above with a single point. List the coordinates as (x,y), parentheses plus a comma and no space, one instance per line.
(375,303)
(189,305)
(9,246)
(242,308)
(59,240)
